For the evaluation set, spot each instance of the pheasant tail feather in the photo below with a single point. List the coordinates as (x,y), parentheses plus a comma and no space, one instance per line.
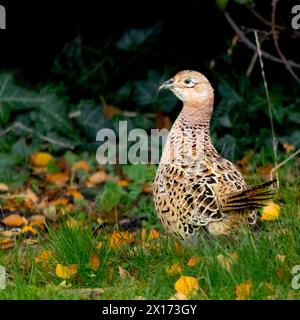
(251,198)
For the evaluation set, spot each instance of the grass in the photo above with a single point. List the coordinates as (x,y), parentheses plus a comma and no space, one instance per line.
(258,260)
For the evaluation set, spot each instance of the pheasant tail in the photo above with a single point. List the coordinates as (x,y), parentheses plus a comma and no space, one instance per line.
(251,198)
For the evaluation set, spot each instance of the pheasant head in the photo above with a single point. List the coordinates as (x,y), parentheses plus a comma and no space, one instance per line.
(196,93)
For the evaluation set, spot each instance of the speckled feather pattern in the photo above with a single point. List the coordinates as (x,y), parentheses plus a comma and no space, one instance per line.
(193,180)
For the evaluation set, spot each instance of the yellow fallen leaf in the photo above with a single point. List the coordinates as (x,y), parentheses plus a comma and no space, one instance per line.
(30,195)
(99,245)
(280,257)
(193,261)
(243,290)
(175,268)
(59,178)
(65,272)
(60,202)
(94,262)
(41,159)
(81,165)
(153,234)
(44,256)
(30,229)
(73,223)
(119,238)
(186,285)
(270,212)
(14,220)
(227,261)
(3,187)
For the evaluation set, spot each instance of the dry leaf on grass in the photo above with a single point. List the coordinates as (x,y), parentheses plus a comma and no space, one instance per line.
(96,178)
(14,220)
(193,261)
(81,165)
(149,235)
(43,257)
(187,285)
(75,194)
(227,261)
(60,178)
(280,257)
(124,274)
(94,262)
(243,290)
(270,212)
(119,238)
(123,183)
(41,159)
(65,272)
(175,268)
(3,187)
(74,223)
(6,243)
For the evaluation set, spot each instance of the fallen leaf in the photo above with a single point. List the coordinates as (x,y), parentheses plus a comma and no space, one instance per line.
(243,290)
(175,268)
(280,257)
(227,261)
(59,178)
(270,212)
(97,177)
(81,165)
(6,243)
(288,147)
(14,220)
(3,187)
(119,238)
(265,170)
(37,220)
(281,274)
(29,194)
(186,285)
(124,273)
(60,202)
(75,194)
(123,183)
(65,272)
(43,257)
(50,212)
(94,262)
(99,245)
(29,229)
(12,233)
(153,234)
(41,159)
(193,261)
(178,296)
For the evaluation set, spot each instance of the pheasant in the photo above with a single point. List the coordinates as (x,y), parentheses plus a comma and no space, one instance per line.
(195,188)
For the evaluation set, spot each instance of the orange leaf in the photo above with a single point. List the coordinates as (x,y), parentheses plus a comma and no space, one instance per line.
(38,220)
(94,262)
(65,272)
(43,257)
(153,234)
(243,290)
(14,220)
(97,177)
(123,183)
(29,229)
(175,268)
(186,285)
(270,212)
(41,159)
(193,261)
(6,243)
(119,238)
(288,147)
(75,194)
(81,165)
(60,202)
(59,178)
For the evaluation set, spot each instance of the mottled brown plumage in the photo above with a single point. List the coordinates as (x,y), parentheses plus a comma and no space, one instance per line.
(195,187)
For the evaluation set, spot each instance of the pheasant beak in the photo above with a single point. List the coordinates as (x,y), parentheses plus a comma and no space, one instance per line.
(166,85)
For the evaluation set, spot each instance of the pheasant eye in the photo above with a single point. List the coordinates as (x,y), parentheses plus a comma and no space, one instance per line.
(187,81)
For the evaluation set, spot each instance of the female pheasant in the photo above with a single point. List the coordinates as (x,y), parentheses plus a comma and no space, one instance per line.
(195,187)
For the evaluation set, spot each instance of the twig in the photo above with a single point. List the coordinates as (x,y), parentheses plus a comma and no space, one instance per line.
(252,46)
(275,38)
(19,125)
(274,143)
(282,163)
